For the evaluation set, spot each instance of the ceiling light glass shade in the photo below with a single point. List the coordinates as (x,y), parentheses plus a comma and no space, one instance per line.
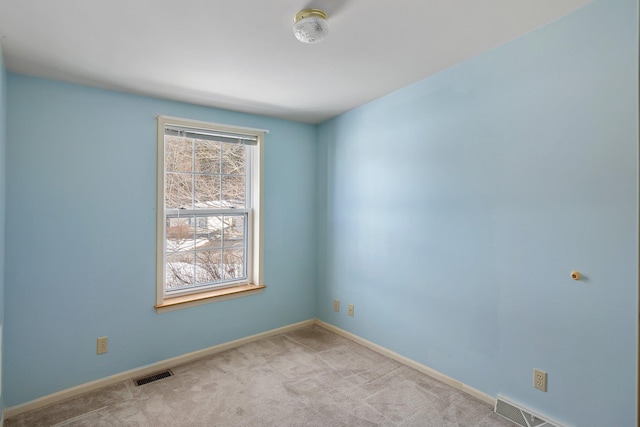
(310,25)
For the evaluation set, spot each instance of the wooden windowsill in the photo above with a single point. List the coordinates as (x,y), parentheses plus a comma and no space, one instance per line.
(184,301)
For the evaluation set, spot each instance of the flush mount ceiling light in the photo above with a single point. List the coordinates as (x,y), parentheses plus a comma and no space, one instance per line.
(310,25)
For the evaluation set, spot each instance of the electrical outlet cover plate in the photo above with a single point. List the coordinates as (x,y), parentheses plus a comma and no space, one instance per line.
(540,379)
(101,345)
(350,310)
(336,305)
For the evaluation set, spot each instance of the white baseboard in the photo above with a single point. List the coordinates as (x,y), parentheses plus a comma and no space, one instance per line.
(145,370)
(411,363)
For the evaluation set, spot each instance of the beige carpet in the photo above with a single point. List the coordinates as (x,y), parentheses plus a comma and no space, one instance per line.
(310,377)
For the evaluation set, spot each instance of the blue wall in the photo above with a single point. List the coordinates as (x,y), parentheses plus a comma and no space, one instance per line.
(453,211)
(81,174)
(3,145)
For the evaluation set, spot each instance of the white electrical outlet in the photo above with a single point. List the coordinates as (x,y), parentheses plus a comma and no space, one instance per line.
(336,305)
(350,310)
(101,346)
(540,379)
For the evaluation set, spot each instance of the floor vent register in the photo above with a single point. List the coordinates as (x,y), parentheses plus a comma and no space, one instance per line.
(153,377)
(521,416)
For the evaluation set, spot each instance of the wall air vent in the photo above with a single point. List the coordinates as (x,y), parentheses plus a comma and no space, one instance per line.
(153,377)
(521,416)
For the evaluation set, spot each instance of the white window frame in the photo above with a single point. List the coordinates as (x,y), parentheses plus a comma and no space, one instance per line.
(254,253)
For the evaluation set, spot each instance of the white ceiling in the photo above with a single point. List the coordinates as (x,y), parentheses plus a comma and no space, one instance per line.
(242,55)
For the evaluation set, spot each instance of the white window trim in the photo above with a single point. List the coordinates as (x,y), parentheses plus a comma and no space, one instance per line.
(255,244)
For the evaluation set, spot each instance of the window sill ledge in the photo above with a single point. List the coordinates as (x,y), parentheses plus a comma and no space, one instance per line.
(184,301)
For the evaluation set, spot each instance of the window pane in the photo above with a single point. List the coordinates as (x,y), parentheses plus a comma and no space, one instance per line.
(233,264)
(180,234)
(208,266)
(210,231)
(207,191)
(178,154)
(233,191)
(178,191)
(207,157)
(233,159)
(234,233)
(179,270)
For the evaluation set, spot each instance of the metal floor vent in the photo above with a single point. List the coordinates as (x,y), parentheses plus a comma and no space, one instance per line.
(153,377)
(522,417)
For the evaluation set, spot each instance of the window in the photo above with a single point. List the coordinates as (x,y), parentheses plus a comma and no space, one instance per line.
(208,225)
